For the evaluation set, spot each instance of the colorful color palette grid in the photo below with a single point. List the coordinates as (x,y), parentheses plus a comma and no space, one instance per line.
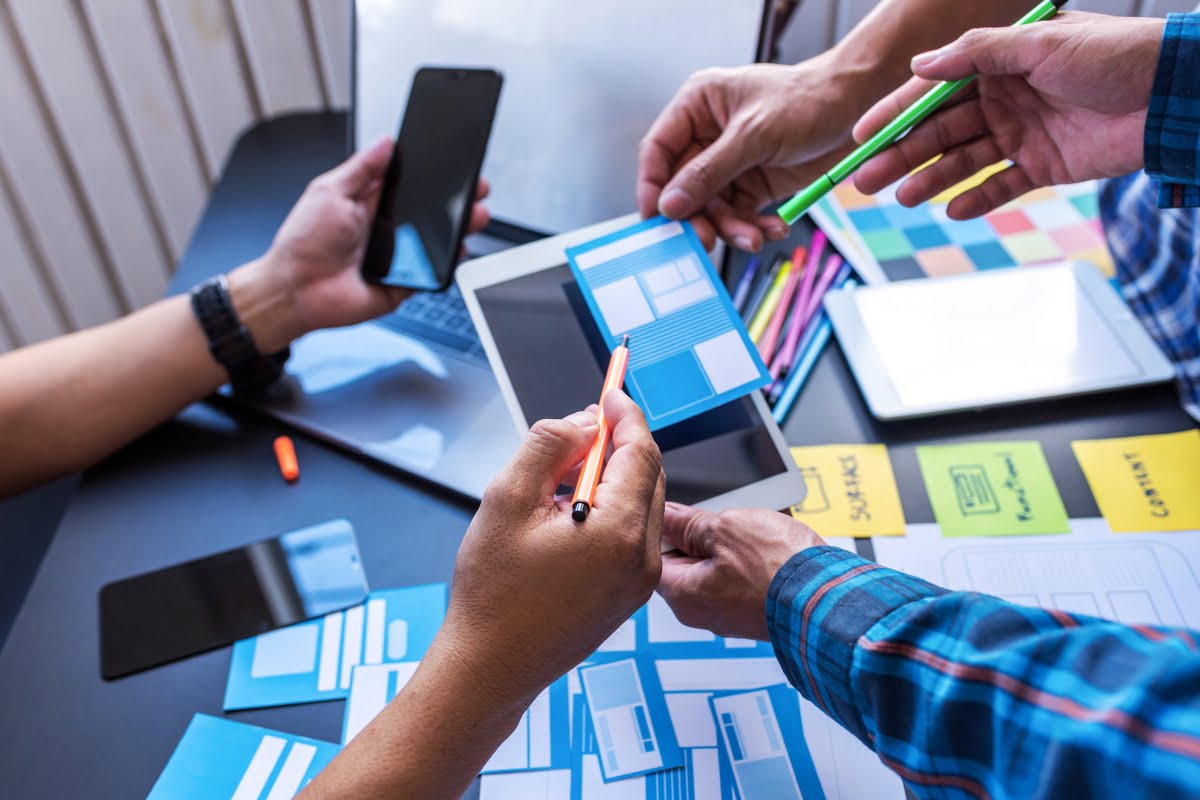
(1049,224)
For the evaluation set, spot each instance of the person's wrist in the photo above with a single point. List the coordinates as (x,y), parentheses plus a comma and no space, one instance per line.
(466,665)
(265,302)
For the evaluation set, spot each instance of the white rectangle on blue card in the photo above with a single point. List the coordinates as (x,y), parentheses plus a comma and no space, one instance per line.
(222,758)
(629,714)
(688,349)
(762,743)
(314,661)
(655,630)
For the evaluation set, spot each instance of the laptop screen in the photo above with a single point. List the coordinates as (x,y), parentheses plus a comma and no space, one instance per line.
(583,84)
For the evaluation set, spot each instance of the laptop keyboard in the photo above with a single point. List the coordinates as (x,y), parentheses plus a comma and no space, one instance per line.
(440,317)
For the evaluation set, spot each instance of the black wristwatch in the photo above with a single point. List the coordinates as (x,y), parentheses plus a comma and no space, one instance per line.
(250,372)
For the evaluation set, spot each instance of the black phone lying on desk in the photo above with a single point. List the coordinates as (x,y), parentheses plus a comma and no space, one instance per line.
(162,616)
(429,188)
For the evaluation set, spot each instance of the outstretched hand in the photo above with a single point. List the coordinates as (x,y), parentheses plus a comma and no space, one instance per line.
(1065,100)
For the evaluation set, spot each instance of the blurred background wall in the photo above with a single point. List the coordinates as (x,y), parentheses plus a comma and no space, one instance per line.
(116,116)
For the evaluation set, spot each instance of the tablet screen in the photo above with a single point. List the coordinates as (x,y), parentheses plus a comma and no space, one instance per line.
(1030,332)
(556,363)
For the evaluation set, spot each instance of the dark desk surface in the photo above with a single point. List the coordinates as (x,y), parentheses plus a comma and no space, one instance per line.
(207,481)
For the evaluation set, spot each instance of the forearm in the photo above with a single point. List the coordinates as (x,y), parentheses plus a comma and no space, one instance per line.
(965,690)
(880,47)
(68,402)
(429,742)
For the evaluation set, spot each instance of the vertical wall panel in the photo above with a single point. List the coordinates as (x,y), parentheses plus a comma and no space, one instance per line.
(204,45)
(331,29)
(132,52)
(77,99)
(42,186)
(812,30)
(282,64)
(25,303)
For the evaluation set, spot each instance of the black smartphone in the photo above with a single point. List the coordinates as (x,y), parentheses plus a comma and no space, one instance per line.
(163,616)
(429,188)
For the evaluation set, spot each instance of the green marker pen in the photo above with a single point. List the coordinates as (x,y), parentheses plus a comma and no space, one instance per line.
(887,136)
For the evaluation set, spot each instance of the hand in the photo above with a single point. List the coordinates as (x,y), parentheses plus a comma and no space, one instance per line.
(1065,100)
(733,140)
(311,273)
(720,577)
(534,591)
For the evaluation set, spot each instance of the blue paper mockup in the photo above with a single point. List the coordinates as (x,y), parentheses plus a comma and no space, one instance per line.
(688,349)
(314,660)
(762,744)
(629,713)
(222,758)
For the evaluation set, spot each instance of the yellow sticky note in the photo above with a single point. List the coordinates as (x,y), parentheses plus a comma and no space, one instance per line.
(1145,483)
(851,490)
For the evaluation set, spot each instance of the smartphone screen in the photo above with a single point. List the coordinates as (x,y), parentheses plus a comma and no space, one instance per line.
(429,189)
(211,602)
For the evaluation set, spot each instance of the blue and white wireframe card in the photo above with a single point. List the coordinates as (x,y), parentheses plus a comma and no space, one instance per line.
(762,743)
(222,758)
(688,349)
(629,713)
(314,660)
(701,776)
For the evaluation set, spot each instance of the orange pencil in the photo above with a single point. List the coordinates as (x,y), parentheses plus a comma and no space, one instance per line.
(589,476)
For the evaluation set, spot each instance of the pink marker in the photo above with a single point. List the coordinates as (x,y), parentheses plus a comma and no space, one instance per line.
(788,354)
(770,336)
(796,327)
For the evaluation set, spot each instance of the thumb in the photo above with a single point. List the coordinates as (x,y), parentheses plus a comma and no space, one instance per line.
(354,176)
(702,178)
(550,449)
(983,51)
(688,530)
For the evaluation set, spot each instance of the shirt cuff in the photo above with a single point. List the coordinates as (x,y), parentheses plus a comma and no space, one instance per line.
(1172,138)
(821,602)
(1178,195)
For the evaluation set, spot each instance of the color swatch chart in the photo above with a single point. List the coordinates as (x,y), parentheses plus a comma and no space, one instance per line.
(1049,224)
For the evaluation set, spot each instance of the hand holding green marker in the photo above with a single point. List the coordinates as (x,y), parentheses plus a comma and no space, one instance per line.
(890,133)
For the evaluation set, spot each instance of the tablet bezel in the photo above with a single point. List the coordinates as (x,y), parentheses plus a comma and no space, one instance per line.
(880,392)
(775,492)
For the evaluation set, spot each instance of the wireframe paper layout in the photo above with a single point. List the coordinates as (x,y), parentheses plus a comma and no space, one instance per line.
(688,348)
(222,758)
(633,726)
(762,739)
(541,740)
(1148,579)
(313,661)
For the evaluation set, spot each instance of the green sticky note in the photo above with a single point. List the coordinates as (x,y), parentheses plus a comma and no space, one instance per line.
(992,489)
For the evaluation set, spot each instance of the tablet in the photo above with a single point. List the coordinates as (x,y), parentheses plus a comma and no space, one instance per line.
(991,338)
(549,360)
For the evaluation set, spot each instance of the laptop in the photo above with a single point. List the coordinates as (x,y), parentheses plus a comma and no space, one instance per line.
(413,389)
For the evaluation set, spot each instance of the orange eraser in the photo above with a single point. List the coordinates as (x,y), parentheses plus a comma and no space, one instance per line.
(285,454)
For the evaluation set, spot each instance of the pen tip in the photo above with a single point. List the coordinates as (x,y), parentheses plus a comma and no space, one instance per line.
(579,511)
(625,340)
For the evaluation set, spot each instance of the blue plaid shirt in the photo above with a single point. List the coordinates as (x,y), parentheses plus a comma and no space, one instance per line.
(968,696)
(1151,218)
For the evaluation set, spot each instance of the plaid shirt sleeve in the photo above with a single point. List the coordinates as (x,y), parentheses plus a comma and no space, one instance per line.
(1172,143)
(967,696)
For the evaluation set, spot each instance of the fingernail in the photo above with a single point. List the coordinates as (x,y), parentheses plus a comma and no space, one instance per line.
(926,60)
(583,419)
(777,232)
(675,203)
(743,242)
